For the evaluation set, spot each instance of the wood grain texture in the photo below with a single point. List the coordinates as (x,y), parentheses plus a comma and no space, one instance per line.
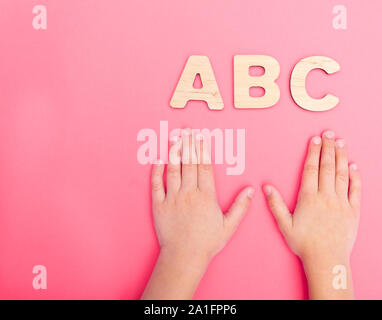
(298,79)
(243,81)
(185,90)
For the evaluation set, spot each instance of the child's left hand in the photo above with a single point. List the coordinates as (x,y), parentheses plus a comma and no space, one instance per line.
(189,223)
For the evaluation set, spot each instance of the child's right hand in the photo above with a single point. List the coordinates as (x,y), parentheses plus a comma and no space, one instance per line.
(323,227)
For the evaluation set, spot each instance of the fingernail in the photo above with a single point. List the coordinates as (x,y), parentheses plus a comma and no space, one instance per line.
(250,193)
(329,134)
(316,140)
(267,190)
(340,143)
(353,166)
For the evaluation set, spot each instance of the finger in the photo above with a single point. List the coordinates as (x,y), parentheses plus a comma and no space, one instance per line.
(355,187)
(174,179)
(189,161)
(309,182)
(342,169)
(327,172)
(238,209)
(157,186)
(205,171)
(279,209)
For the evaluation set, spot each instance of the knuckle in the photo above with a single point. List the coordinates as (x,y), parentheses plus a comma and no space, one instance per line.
(341,154)
(172,171)
(273,205)
(328,167)
(356,178)
(205,167)
(342,176)
(174,160)
(241,203)
(329,158)
(156,185)
(328,144)
(187,165)
(311,169)
(314,151)
(356,189)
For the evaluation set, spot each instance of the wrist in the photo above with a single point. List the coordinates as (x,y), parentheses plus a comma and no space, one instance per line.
(321,262)
(185,259)
(176,275)
(328,277)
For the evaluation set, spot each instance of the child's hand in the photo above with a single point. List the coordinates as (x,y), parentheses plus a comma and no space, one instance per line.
(323,227)
(189,223)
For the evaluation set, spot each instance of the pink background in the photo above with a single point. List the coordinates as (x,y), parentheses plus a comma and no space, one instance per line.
(73,98)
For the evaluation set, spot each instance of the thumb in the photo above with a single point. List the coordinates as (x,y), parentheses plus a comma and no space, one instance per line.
(238,209)
(279,209)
